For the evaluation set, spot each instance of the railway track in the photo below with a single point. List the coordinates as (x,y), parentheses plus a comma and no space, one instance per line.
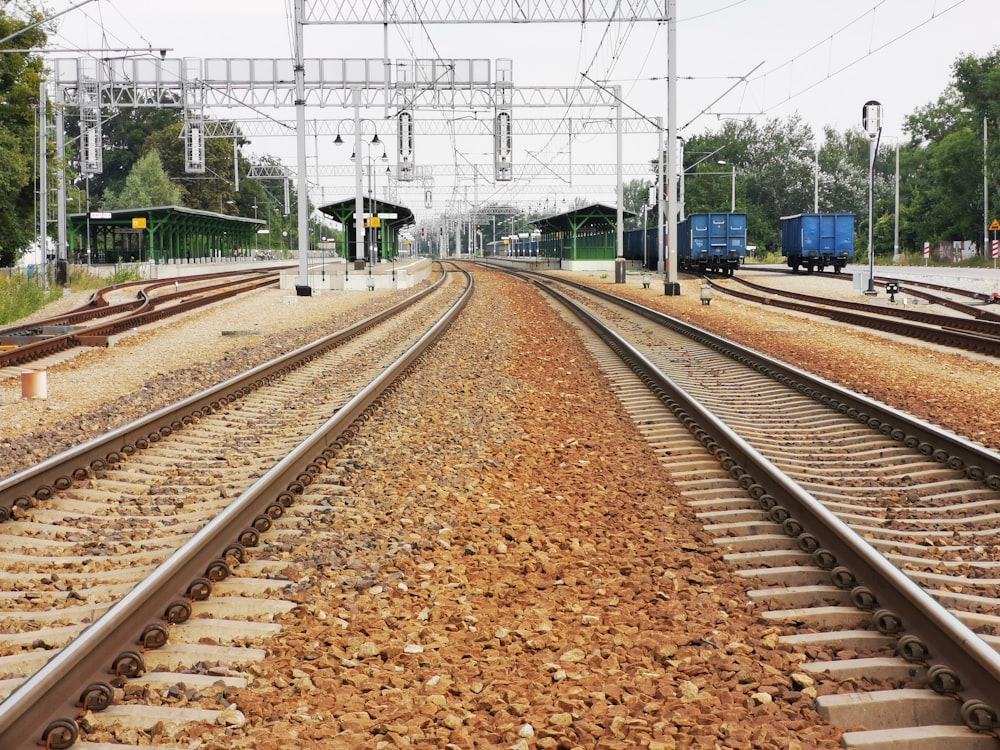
(94,323)
(872,532)
(143,561)
(976,328)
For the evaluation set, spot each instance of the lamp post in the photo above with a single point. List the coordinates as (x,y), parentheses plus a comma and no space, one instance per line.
(871,119)
(732,201)
(986,199)
(256,233)
(87,181)
(986,188)
(895,225)
(372,197)
(814,152)
(359,202)
(816,182)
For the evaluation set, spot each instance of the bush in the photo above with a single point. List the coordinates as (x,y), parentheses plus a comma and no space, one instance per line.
(122,273)
(21,296)
(81,279)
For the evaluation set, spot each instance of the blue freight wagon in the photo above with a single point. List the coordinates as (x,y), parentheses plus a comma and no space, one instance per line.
(815,241)
(712,242)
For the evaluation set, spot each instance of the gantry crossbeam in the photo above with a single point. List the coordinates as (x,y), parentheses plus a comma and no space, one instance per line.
(329,82)
(482,11)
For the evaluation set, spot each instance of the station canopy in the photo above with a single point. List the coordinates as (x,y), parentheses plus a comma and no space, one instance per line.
(171,232)
(392,220)
(596,217)
(394,217)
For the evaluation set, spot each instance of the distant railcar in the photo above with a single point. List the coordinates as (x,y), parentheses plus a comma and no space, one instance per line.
(642,246)
(712,242)
(815,241)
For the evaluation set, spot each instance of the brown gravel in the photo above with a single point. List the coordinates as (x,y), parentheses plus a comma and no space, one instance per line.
(516,571)
(957,391)
(513,569)
(100,389)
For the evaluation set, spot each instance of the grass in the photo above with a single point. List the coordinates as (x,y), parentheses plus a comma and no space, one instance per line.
(21,296)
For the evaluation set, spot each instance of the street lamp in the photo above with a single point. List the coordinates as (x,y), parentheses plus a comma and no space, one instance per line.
(986,189)
(871,119)
(816,181)
(87,179)
(683,171)
(256,233)
(372,197)
(986,200)
(732,202)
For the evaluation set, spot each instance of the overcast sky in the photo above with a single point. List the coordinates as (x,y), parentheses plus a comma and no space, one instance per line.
(820,59)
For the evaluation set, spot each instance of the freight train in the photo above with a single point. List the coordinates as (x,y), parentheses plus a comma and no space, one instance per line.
(718,242)
(714,242)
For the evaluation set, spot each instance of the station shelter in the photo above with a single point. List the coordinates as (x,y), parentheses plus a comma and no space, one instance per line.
(584,238)
(383,223)
(159,235)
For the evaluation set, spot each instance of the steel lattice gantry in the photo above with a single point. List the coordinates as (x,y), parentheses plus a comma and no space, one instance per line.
(329,82)
(482,11)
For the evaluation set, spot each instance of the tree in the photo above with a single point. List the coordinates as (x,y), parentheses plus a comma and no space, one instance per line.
(147,185)
(944,198)
(635,198)
(20,74)
(774,173)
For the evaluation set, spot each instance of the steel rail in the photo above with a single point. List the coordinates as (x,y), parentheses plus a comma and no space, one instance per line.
(976,461)
(913,285)
(44,709)
(98,306)
(935,333)
(138,312)
(961,662)
(23,489)
(976,323)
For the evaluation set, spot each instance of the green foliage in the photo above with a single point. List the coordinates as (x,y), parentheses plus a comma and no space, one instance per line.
(635,194)
(146,185)
(770,258)
(940,169)
(124,272)
(20,74)
(82,279)
(21,296)
(125,133)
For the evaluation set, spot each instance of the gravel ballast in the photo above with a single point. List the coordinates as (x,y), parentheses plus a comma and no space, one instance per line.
(516,571)
(512,567)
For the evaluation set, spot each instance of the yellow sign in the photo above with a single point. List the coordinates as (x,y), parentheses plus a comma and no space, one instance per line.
(995,226)
(139,223)
(374,222)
